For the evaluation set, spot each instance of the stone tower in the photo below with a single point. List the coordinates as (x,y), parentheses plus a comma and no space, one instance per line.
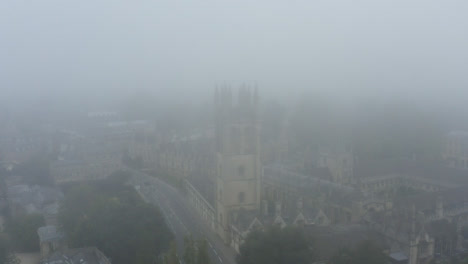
(238,171)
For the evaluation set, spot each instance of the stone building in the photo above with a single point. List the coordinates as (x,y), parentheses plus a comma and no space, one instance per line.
(423,207)
(456,149)
(244,222)
(236,193)
(187,156)
(51,239)
(79,170)
(340,203)
(238,163)
(340,161)
(25,199)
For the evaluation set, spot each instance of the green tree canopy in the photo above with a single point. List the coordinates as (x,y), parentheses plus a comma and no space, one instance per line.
(112,217)
(190,251)
(35,171)
(276,246)
(171,256)
(6,255)
(365,253)
(132,162)
(196,251)
(202,252)
(23,232)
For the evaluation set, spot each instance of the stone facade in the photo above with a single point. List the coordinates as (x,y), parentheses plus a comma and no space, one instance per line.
(332,188)
(340,162)
(456,149)
(238,164)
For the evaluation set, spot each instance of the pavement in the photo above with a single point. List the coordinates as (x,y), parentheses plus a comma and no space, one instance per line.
(180,217)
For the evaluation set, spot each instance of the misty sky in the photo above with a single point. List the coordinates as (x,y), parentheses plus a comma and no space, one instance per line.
(91,48)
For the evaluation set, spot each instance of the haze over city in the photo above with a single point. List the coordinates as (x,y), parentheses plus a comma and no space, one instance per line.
(200,132)
(180,49)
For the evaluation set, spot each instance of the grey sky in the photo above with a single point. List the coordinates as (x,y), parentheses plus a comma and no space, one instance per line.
(176,48)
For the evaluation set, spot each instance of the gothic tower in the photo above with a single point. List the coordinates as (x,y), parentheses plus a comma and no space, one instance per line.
(238,171)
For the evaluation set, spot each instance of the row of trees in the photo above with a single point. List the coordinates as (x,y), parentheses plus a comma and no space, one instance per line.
(22,231)
(111,216)
(6,251)
(195,252)
(291,245)
(276,246)
(365,253)
(135,163)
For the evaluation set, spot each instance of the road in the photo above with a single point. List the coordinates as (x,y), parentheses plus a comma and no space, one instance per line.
(180,216)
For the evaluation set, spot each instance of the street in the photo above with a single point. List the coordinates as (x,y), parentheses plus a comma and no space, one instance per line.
(180,217)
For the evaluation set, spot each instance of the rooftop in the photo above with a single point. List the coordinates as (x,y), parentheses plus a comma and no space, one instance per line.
(49,234)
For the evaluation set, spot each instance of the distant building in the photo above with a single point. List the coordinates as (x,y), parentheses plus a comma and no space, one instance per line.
(51,239)
(340,162)
(243,222)
(17,147)
(456,149)
(238,163)
(24,199)
(325,189)
(79,170)
(187,156)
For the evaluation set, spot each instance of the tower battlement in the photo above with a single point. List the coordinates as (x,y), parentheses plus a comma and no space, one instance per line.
(238,166)
(243,106)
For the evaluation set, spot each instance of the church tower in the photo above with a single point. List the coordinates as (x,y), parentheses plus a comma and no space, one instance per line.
(238,171)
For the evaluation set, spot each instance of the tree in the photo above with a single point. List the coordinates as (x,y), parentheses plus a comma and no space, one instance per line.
(134,163)
(196,251)
(115,219)
(276,246)
(6,255)
(365,253)
(190,251)
(35,171)
(202,252)
(23,231)
(171,256)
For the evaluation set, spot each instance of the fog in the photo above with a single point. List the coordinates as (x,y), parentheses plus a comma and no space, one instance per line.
(234,131)
(85,50)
